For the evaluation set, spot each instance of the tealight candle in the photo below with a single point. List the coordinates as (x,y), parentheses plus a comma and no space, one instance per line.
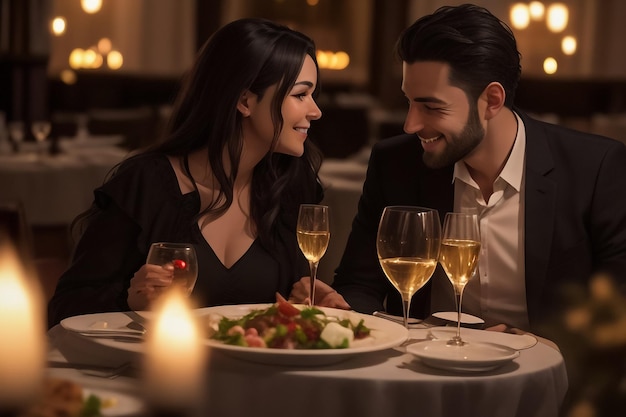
(175,357)
(23,346)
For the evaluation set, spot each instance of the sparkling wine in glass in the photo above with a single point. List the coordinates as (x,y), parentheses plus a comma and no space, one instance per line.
(313,233)
(408,248)
(460,249)
(180,258)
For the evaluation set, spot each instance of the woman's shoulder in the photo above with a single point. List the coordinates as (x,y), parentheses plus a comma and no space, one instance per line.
(142,162)
(148,175)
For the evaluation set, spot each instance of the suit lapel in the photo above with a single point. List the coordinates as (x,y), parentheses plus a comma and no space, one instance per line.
(540,213)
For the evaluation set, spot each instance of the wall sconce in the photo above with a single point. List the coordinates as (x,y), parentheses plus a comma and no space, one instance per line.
(332,60)
(550,65)
(558,15)
(537,10)
(569,45)
(58,26)
(91,6)
(520,16)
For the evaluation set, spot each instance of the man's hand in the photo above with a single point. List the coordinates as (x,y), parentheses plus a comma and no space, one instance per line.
(325,295)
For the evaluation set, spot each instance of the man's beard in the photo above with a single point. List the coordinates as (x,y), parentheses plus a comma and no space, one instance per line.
(460,145)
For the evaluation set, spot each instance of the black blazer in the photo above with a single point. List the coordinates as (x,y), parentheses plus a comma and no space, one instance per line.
(575,216)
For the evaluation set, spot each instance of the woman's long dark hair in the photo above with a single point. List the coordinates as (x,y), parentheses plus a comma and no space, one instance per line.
(247,54)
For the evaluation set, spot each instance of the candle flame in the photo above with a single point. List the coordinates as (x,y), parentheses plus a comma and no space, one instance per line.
(23,347)
(175,354)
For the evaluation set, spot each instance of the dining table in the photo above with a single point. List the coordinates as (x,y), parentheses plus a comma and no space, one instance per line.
(390,381)
(55,185)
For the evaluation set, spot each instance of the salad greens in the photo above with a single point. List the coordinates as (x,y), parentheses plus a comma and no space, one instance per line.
(284,326)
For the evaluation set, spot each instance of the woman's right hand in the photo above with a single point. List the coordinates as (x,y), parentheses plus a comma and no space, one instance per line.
(147,285)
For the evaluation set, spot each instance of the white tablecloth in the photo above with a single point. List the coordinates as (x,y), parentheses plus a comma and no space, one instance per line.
(54,189)
(386,383)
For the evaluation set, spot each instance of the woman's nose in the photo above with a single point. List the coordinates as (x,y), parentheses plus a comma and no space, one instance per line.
(315,112)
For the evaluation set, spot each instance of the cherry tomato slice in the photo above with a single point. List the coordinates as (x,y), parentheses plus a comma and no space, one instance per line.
(179,264)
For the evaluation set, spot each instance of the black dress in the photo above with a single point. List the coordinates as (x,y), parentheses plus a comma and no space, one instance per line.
(141,204)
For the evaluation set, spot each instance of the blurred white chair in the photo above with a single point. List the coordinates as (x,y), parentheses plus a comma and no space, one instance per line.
(342,197)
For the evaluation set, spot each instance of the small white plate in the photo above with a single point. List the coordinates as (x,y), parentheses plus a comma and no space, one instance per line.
(513,341)
(122,405)
(471,357)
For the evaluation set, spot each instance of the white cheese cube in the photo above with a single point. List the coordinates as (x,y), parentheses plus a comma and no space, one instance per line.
(334,334)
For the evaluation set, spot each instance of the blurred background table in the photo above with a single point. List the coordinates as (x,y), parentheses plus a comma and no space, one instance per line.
(53,189)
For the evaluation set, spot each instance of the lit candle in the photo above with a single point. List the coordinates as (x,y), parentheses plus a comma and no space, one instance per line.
(23,346)
(175,357)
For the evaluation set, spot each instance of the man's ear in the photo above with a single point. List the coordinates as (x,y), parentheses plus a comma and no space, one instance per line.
(243,104)
(494,95)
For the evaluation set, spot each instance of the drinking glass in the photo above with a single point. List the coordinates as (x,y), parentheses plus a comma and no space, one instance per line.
(408,243)
(179,256)
(41,130)
(313,233)
(16,133)
(460,248)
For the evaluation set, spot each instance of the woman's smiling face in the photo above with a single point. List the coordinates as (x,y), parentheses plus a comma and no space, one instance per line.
(298,109)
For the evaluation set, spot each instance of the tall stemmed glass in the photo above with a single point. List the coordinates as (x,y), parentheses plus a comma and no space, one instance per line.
(41,130)
(16,132)
(460,248)
(408,248)
(313,232)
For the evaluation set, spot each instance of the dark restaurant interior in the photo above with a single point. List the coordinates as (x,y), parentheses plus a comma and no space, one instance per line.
(115,71)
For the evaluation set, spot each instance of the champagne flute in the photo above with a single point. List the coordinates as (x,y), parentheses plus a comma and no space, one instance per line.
(313,233)
(179,256)
(460,249)
(408,248)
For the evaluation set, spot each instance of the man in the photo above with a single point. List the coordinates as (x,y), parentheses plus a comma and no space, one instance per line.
(551,201)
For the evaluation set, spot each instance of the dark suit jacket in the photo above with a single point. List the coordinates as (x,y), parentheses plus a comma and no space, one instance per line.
(575,217)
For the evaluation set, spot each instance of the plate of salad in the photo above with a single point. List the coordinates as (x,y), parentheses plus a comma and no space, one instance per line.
(288,334)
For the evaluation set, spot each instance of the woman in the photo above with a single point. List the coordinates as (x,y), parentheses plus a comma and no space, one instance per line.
(229,177)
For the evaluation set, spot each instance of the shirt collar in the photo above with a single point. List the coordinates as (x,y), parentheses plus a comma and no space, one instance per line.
(513,168)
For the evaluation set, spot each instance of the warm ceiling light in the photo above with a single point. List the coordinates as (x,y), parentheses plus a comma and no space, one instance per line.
(520,16)
(558,15)
(68,76)
(91,6)
(568,45)
(536,9)
(58,26)
(104,46)
(550,65)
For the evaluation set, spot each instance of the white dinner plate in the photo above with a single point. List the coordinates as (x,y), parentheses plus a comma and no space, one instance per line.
(452,316)
(472,357)
(116,404)
(385,334)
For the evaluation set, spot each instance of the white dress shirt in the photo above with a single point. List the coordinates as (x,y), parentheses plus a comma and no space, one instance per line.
(497,293)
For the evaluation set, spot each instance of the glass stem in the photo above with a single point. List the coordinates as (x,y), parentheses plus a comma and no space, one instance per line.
(459,300)
(313,266)
(406,304)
